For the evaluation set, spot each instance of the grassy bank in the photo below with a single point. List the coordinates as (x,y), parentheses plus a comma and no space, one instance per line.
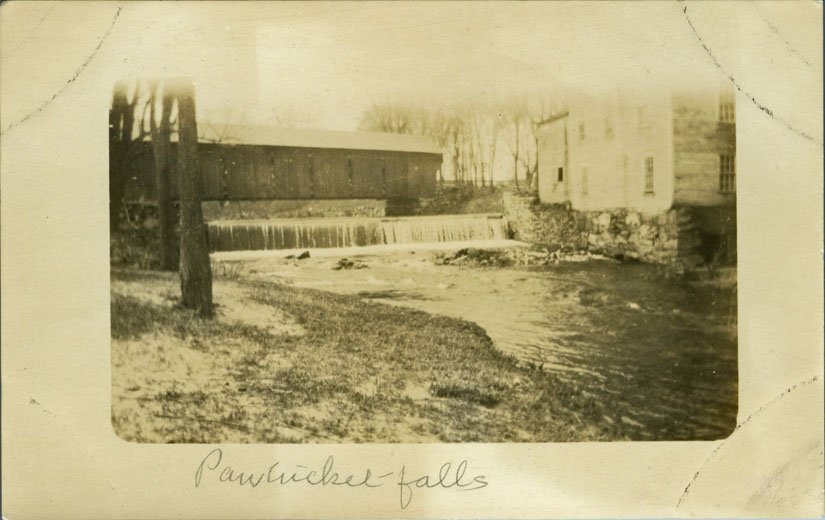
(283,364)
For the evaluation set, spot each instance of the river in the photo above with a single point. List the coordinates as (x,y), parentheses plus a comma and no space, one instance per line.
(664,350)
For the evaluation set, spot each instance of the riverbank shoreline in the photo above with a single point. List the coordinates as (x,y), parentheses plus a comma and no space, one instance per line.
(325,368)
(387,352)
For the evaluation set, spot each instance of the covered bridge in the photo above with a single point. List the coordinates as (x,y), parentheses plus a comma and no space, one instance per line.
(260,163)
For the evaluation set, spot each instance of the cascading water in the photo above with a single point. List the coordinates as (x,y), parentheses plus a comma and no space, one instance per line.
(448,228)
(248,235)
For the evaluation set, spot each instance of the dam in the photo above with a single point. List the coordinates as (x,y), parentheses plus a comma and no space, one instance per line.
(347,232)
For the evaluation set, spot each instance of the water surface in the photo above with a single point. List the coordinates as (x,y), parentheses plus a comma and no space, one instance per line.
(663,350)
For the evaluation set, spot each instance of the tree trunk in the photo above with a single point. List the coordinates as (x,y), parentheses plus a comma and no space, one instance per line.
(195,272)
(169,250)
(121,121)
(533,166)
(532,179)
(114,167)
(515,172)
(515,157)
(474,163)
(493,153)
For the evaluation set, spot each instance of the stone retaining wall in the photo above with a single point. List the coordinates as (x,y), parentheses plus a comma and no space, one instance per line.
(554,226)
(681,238)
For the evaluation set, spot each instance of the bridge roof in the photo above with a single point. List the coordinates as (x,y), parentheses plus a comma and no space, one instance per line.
(303,138)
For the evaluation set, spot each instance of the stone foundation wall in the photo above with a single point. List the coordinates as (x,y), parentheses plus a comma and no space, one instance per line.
(555,226)
(628,234)
(680,237)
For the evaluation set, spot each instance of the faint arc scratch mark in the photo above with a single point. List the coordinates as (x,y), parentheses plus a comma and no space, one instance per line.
(739,426)
(35,402)
(759,105)
(73,78)
(787,43)
(31,31)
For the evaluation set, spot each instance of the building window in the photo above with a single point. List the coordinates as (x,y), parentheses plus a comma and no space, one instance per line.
(581,132)
(727,108)
(584,180)
(560,175)
(727,173)
(608,127)
(644,117)
(649,174)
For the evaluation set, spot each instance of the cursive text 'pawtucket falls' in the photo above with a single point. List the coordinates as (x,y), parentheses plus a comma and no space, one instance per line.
(213,467)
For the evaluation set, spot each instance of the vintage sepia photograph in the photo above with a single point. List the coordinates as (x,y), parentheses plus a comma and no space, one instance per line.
(422,230)
(363,259)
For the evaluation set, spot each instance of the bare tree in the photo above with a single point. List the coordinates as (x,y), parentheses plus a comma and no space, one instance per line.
(392,117)
(453,130)
(516,134)
(219,125)
(161,135)
(475,139)
(195,271)
(468,133)
(492,144)
(484,129)
(121,129)
(539,111)
(445,128)
(443,125)
(289,117)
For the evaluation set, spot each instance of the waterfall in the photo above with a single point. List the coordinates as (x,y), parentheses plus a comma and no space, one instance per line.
(248,235)
(447,228)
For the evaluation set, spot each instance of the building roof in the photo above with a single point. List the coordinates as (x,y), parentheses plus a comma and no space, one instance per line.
(303,138)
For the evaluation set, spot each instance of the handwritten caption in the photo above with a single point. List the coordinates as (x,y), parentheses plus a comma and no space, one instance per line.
(448,476)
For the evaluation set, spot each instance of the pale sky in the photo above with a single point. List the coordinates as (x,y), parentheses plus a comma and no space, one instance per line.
(320,65)
(323,64)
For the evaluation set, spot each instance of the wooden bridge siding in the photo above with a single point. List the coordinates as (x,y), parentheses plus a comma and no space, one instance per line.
(396,175)
(239,184)
(423,170)
(366,170)
(272,173)
(285,182)
(428,182)
(211,170)
(331,174)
